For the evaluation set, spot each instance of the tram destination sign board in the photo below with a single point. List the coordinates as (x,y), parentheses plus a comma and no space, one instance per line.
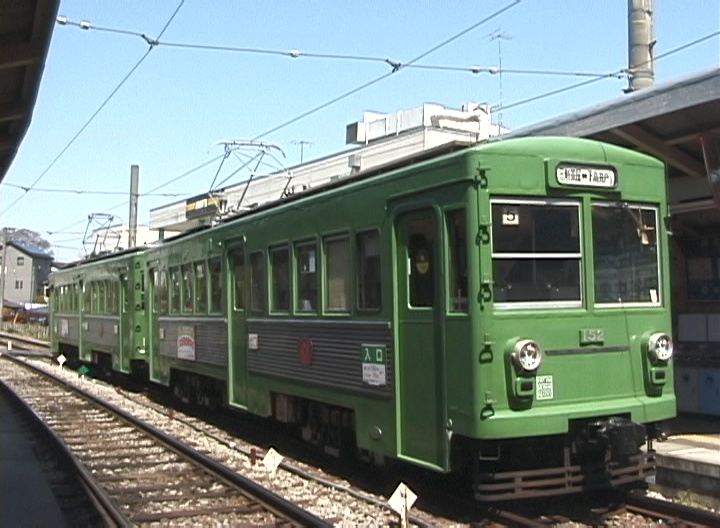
(584,176)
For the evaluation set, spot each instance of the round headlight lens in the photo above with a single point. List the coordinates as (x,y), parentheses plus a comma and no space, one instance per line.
(527,354)
(660,346)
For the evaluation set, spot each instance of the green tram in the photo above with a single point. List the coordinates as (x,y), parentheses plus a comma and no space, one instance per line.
(98,313)
(500,312)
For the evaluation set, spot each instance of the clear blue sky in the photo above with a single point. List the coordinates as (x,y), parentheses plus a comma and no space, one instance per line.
(179,102)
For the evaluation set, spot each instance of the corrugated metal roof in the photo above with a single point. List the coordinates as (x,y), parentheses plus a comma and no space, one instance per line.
(28,249)
(25,30)
(664,121)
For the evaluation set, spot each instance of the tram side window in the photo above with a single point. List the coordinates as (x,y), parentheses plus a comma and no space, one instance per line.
(201,284)
(337,274)
(155,289)
(536,251)
(257,282)
(307,292)
(280,262)
(368,271)
(126,297)
(112,297)
(95,301)
(86,295)
(457,261)
(215,273)
(163,293)
(238,260)
(187,288)
(175,299)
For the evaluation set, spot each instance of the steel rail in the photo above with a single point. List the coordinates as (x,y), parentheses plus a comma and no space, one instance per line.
(110,511)
(688,514)
(24,340)
(270,500)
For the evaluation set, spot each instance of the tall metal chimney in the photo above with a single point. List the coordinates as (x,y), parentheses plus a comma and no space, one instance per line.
(641,40)
(132,216)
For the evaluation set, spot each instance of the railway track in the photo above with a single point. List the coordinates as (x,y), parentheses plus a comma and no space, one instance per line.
(20,342)
(148,476)
(629,510)
(633,509)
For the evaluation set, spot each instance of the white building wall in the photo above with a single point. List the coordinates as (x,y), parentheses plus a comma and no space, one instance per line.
(384,138)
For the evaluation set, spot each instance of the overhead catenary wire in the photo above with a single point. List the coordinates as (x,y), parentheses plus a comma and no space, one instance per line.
(92,117)
(594,77)
(296,54)
(88,192)
(615,75)
(386,75)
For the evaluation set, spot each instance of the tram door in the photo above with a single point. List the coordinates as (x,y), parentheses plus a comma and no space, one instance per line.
(420,371)
(237,327)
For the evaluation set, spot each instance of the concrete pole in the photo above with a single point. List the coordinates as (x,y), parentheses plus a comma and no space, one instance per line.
(641,40)
(132,216)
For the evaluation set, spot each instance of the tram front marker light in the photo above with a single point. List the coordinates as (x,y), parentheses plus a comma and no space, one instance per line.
(527,355)
(660,347)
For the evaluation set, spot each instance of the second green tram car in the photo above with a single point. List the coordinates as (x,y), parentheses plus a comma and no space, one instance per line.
(98,312)
(500,311)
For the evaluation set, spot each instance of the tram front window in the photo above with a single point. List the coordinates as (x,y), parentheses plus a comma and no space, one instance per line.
(536,253)
(625,254)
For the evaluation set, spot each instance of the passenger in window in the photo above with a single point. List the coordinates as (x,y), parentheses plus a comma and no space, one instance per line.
(422,283)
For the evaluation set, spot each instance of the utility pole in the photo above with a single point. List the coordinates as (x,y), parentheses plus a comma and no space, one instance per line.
(641,41)
(132,217)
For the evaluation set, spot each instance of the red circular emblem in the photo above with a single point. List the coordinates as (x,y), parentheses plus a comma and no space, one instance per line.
(305,351)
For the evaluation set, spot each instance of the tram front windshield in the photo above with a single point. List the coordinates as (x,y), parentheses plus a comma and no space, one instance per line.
(538,253)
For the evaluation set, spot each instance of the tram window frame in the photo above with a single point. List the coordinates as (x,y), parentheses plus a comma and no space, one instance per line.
(280,304)
(457,261)
(306,277)
(635,233)
(201,287)
(338,279)
(363,289)
(258,287)
(522,253)
(215,282)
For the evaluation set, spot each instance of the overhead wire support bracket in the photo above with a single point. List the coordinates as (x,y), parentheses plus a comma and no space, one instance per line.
(151,42)
(396,66)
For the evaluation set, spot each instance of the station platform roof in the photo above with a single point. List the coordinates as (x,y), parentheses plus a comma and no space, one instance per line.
(665,121)
(25,31)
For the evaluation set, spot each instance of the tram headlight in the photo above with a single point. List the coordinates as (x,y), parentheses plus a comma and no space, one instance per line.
(527,354)
(660,347)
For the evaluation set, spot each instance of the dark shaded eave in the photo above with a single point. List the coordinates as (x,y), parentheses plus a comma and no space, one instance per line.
(25,30)
(664,121)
